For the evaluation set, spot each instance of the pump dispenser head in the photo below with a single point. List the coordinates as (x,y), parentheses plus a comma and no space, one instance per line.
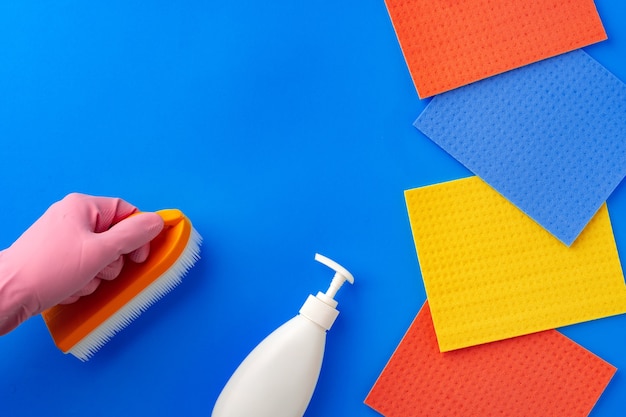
(341,275)
(321,309)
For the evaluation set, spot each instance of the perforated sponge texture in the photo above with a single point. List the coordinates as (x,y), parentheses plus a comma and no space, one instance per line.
(447,44)
(491,273)
(543,374)
(550,137)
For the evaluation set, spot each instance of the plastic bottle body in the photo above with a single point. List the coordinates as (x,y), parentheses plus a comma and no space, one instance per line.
(278,377)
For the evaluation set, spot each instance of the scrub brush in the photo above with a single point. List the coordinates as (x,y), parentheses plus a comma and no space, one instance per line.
(83,327)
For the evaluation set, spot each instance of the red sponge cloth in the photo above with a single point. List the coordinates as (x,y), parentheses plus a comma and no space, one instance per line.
(541,374)
(447,44)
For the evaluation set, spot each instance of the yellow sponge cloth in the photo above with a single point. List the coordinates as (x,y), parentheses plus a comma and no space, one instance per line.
(492,273)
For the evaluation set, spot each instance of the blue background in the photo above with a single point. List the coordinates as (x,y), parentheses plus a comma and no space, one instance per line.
(281,130)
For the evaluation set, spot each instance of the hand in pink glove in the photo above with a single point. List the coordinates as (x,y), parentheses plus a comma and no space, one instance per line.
(78,241)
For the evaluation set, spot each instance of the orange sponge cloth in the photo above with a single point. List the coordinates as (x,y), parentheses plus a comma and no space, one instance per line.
(447,44)
(542,374)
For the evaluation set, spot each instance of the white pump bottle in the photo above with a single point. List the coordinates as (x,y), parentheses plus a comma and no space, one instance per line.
(278,377)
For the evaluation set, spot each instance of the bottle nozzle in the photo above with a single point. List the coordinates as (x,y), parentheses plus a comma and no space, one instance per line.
(341,275)
(321,309)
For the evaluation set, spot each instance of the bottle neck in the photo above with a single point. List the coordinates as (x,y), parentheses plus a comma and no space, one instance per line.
(319,312)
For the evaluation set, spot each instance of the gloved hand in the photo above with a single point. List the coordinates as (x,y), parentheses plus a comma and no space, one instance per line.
(64,255)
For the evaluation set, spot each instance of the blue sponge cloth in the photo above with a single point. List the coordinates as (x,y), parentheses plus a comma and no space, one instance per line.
(550,137)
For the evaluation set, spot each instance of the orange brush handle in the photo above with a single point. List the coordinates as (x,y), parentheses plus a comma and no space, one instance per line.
(69,324)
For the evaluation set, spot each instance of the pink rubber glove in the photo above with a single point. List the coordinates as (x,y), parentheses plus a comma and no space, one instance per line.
(77,242)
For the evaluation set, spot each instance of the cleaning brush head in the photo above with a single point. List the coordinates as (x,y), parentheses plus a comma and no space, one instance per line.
(83,327)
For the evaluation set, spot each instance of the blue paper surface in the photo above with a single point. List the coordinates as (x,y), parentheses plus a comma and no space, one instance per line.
(249,117)
(550,137)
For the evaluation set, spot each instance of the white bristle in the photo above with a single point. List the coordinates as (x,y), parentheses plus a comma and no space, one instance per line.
(86,348)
